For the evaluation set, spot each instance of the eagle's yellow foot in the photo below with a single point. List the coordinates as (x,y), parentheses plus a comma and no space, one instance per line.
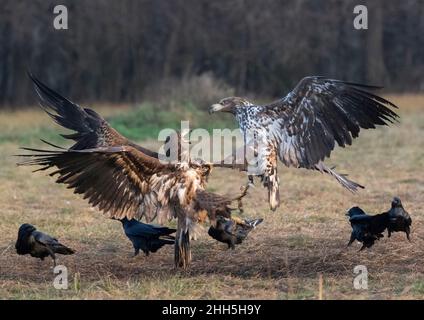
(202,216)
(238,220)
(243,190)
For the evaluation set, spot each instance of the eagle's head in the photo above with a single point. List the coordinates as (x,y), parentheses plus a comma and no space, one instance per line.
(203,169)
(229,104)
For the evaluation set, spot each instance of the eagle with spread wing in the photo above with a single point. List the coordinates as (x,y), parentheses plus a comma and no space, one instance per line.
(303,128)
(123,179)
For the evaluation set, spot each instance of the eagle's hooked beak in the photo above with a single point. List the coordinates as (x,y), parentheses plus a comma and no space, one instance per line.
(215,108)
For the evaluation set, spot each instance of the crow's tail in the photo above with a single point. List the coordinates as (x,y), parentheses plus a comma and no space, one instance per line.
(165,232)
(156,244)
(254,222)
(61,249)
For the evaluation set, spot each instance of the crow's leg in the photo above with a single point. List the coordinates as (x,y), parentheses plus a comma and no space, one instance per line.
(232,245)
(363,247)
(136,251)
(54,259)
(51,253)
(352,238)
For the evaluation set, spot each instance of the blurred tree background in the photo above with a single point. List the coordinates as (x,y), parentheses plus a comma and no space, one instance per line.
(122,51)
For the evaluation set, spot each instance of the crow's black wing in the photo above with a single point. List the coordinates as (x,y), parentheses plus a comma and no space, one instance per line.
(146,230)
(362,219)
(356,211)
(51,243)
(45,239)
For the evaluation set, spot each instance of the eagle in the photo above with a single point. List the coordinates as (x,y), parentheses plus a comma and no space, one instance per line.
(303,128)
(125,180)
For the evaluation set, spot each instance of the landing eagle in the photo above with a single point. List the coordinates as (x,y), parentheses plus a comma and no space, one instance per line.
(123,179)
(302,128)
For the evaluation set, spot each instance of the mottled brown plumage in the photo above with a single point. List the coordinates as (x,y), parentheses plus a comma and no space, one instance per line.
(210,204)
(118,176)
(303,128)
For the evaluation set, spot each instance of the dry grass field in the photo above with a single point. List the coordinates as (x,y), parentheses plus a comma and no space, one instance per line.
(281,259)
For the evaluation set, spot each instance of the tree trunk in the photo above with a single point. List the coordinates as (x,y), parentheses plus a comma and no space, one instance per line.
(376,69)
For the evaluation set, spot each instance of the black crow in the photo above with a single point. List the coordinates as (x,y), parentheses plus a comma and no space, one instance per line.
(38,244)
(232,231)
(399,219)
(147,237)
(365,228)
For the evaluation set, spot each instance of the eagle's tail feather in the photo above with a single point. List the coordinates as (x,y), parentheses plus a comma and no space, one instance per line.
(350,185)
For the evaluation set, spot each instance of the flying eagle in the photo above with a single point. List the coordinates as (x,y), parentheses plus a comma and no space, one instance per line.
(121,178)
(302,128)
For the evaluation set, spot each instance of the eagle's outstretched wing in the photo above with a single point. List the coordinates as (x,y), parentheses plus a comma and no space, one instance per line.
(118,180)
(119,177)
(91,130)
(319,112)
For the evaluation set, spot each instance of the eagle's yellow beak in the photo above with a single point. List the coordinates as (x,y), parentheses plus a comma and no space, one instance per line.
(215,108)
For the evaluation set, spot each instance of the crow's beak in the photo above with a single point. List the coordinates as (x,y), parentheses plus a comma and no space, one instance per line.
(215,108)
